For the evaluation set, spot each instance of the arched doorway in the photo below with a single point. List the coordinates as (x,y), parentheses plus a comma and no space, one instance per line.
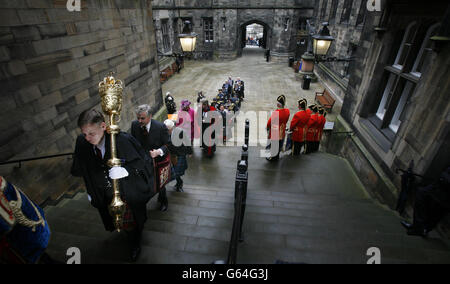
(254,34)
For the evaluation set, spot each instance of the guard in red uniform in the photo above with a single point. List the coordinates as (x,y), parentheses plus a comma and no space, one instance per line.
(311,129)
(277,128)
(298,127)
(321,120)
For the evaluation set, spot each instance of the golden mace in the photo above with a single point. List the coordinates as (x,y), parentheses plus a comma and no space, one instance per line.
(110,91)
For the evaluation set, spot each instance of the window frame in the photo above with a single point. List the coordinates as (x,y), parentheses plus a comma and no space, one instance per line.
(346,12)
(424,47)
(401,49)
(323,11)
(208,29)
(333,11)
(165,34)
(360,19)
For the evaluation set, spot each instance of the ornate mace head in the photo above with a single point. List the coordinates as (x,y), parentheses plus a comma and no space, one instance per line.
(110,91)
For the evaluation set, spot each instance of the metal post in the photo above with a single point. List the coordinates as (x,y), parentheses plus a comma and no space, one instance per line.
(244,176)
(240,196)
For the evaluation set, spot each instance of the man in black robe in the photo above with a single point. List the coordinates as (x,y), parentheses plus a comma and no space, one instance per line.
(92,152)
(154,138)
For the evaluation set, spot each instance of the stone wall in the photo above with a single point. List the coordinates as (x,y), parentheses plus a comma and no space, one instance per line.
(347,34)
(235,15)
(51,63)
(423,135)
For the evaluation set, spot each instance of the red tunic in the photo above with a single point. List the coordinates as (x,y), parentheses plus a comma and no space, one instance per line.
(278,128)
(312,127)
(298,126)
(320,124)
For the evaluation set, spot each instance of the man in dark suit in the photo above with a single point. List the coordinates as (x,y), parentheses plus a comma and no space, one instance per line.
(92,152)
(154,138)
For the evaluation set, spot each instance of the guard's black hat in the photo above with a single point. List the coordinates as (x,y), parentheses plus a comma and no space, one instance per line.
(281,99)
(302,103)
(321,110)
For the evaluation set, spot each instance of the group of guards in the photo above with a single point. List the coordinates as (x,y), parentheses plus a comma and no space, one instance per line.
(305,130)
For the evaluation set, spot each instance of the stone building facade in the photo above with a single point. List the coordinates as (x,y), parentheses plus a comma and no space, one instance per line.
(345,19)
(51,63)
(397,101)
(221,25)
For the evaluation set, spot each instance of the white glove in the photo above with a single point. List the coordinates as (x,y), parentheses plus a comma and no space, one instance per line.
(117,172)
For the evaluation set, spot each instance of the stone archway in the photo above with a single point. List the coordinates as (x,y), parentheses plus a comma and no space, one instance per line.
(267,34)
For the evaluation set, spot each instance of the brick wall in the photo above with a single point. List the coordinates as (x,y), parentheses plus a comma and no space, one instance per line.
(51,61)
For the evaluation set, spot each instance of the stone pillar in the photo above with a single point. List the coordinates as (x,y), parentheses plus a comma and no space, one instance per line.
(307,67)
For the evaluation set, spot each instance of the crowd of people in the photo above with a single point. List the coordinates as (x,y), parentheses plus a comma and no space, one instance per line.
(225,105)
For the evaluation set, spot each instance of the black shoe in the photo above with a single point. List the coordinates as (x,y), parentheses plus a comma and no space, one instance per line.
(406,225)
(179,186)
(163,207)
(135,252)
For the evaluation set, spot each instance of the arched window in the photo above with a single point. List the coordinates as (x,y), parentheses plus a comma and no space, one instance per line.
(323,11)
(399,84)
(361,13)
(333,9)
(346,11)
(425,51)
(405,46)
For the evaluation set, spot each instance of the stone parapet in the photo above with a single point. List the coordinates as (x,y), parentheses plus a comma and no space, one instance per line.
(348,145)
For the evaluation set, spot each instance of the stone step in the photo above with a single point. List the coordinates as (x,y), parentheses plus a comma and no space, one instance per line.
(179,237)
(256,222)
(181,242)
(273,195)
(182,213)
(206,200)
(199,222)
(283,231)
(186,217)
(247,254)
(115,249)
(349,211)
(276,197)
(273,215)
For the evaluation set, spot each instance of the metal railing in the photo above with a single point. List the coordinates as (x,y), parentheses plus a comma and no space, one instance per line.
(240,197)
(34,159)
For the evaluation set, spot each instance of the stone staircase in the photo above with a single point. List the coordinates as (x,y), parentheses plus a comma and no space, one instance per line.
(297,211)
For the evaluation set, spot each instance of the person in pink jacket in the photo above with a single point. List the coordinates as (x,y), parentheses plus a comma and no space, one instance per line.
(186,119)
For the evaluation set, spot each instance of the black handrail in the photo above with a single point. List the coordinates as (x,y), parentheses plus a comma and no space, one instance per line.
(34,159)
(240,197)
